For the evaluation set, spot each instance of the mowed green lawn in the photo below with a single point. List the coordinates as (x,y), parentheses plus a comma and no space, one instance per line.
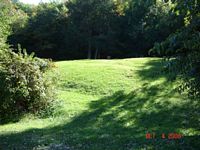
(110,105)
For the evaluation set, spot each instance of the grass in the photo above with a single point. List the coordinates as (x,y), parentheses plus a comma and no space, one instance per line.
(110,105)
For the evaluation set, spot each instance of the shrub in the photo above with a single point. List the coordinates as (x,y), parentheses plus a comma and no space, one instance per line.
(25,85)
(182,50)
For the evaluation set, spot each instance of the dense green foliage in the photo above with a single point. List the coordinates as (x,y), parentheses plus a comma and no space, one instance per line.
(184,46)
(4,24)
(95,28)
(24,84)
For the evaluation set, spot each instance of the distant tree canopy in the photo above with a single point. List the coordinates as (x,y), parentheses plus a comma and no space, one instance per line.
(8,15)
(79,29)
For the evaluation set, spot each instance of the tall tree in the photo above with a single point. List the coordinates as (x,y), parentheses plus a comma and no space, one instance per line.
(92,20)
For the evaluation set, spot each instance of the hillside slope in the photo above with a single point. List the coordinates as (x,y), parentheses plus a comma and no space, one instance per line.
(110,105)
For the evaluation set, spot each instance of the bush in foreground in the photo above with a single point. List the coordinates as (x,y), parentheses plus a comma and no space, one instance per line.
(25,85)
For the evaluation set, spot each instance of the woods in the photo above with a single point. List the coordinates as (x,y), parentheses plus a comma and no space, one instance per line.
(95,28)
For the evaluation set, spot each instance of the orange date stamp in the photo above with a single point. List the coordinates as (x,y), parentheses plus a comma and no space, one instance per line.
(170,136)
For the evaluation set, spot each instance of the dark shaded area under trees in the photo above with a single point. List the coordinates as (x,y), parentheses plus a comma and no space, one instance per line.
(93,29)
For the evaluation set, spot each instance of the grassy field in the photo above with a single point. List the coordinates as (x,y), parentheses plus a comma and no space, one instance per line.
(110,105)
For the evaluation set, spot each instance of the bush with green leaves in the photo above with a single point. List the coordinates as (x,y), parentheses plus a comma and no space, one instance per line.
(26,85)
(182,50)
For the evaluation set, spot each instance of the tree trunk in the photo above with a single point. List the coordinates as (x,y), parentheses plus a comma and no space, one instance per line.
(96,53)
(89,49)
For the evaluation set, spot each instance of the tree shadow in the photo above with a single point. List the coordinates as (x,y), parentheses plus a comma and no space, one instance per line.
(155,69)
(121,122)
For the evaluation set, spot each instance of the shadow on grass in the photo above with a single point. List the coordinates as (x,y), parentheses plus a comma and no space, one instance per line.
(155,69)
(16,117)
(120,122)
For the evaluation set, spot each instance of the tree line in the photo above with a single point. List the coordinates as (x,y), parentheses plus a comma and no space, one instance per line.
(78,29)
